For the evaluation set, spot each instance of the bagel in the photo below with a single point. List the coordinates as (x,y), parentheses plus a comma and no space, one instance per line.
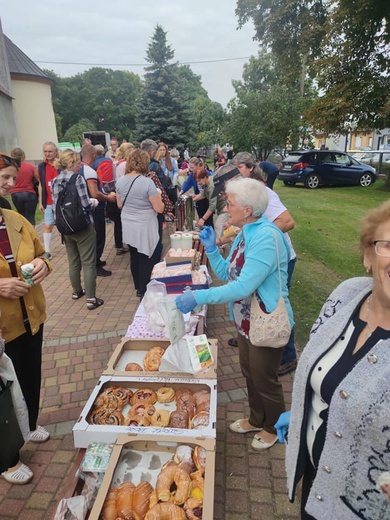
(165,394)
(160,418)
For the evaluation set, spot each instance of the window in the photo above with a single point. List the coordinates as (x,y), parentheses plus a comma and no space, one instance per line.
(342,159)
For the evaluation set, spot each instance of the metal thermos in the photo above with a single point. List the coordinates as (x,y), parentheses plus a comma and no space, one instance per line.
(185,213)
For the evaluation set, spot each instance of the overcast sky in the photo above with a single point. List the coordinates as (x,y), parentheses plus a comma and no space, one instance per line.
(118,31)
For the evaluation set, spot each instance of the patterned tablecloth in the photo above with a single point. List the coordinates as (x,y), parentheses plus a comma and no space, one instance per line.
(139,329)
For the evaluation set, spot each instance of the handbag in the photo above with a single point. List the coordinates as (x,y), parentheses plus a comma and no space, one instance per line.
(270,330)
(11,438)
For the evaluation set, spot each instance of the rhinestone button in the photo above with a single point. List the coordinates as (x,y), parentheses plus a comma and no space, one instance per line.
(338,435)
(343,394)
(327,469)
(372,359)
(319,497)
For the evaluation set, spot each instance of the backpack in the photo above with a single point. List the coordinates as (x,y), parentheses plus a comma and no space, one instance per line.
(70,216)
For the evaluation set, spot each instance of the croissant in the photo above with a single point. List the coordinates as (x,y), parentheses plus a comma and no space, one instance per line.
(141,500)
(173,474)
(124,501)
(109,506)
(165,511)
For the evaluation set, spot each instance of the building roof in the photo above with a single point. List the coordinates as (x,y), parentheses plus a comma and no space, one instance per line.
(21,65)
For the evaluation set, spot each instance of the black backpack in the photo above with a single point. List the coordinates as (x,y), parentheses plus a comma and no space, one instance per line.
(70,216)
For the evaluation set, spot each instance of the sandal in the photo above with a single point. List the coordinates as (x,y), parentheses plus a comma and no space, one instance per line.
(21,475)
(78,294)
(94,303)
(39,435)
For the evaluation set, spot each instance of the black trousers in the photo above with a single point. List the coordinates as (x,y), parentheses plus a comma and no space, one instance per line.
(201,207)
(26,355)
(25,203)
(114,213)
(99,220)
(141,267)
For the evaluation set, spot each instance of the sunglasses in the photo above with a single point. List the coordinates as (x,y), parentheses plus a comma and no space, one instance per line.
(9,161)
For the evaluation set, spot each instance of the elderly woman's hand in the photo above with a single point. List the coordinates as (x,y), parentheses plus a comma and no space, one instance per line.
(186,302)
(40,270)
(282,426)
(13,288)
(208,238)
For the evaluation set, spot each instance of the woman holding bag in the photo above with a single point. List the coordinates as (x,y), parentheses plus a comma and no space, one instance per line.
(256,265)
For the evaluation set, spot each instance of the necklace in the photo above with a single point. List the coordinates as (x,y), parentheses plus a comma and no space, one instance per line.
(370,331)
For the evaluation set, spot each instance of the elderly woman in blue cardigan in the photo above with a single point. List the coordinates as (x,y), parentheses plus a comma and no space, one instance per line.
(339,433)
(252,267)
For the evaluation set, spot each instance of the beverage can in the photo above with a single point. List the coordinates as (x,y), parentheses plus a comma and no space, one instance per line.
(27,270)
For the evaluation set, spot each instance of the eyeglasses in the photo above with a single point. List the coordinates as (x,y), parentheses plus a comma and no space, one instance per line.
(382,247)
(10,161)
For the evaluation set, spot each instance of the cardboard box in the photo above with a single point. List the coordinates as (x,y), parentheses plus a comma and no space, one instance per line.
(193,260)
(134,350)
(178,288)
(84,433)
(145,449)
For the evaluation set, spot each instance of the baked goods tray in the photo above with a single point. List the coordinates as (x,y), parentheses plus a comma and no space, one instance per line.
(85,433)
(137,458)
(134,351)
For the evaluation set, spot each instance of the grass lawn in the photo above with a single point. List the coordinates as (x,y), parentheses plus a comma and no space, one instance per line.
(326,240)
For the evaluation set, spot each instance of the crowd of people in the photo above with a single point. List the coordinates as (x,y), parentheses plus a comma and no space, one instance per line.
(339,423)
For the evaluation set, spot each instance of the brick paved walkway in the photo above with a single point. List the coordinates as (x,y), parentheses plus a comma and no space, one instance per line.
(78,344)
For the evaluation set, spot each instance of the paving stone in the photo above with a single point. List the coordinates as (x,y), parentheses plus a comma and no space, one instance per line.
(285,507)
(63,456)
(11,507)
(261,495)
(39,501)
(265,511)
(237,502)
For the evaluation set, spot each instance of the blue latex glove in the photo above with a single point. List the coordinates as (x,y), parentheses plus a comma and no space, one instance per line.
(186,302)
(282,426)
(208,238)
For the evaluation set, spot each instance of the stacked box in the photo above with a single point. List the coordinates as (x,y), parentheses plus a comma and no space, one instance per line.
(149,454)
(84,432)
(134,350)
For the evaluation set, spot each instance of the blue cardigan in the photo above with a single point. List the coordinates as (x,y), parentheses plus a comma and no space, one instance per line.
(191,182)
(260,270)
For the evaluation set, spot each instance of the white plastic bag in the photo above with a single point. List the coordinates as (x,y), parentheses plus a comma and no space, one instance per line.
(7,373)
(174,322)
(155,291)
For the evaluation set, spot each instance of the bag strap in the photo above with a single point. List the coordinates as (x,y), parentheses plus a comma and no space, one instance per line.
(277,256)
(123,203)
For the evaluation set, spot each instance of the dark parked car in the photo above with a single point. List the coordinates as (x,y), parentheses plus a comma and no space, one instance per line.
(325,167)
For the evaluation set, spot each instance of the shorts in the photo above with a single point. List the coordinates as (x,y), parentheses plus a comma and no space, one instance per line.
(48,216)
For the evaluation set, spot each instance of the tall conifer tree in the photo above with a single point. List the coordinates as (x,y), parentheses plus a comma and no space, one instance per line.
(161,114)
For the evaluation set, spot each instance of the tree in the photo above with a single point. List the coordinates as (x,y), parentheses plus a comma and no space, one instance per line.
(106,97)
(267,111)
(74,134)
(354,68)
(343,44)
(208,119)
(161,112)
(261,121)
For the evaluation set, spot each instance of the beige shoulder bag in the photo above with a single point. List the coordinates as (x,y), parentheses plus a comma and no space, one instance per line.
(273,329)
